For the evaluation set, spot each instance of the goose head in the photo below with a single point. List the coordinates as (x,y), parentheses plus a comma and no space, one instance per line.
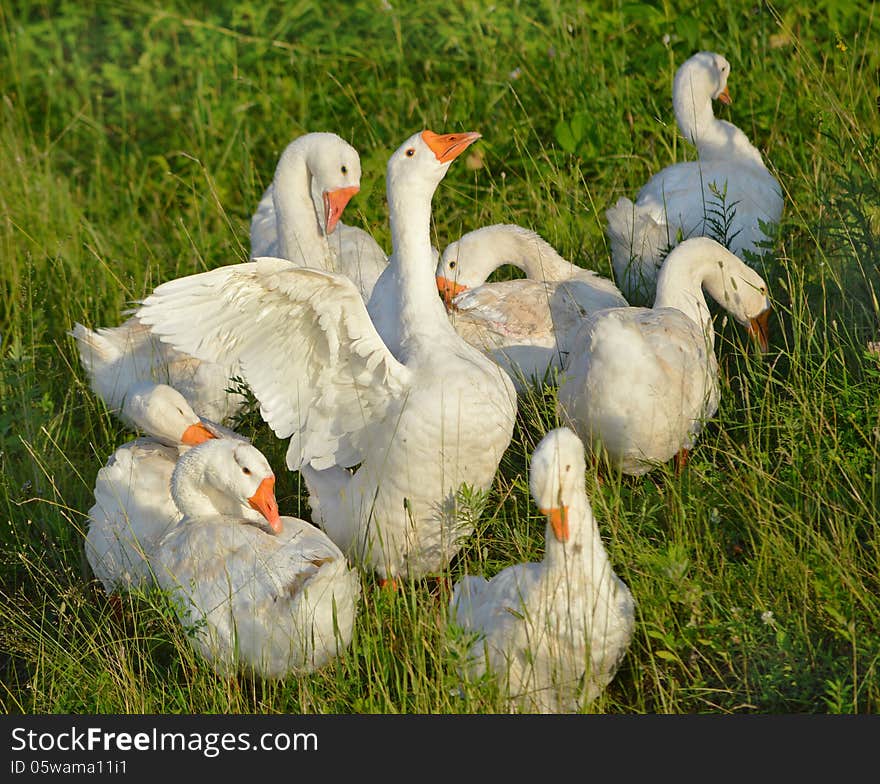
(699,80)
(458,267)
(228,478)
(556,479)
(163,413)
(739,289)
(334,168)
(417,166)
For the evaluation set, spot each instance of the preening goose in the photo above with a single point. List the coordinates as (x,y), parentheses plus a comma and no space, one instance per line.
(640,382)
(684,199)
(551,633)
(133,506)
(525,324)
(384,442)
(298,217)
(263,593)
(317,176)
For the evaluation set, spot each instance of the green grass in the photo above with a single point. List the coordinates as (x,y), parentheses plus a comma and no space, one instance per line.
(135,142)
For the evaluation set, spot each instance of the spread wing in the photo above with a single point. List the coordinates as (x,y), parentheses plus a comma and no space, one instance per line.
(305,345)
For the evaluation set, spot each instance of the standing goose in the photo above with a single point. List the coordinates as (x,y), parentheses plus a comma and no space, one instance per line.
(525,324)
(384,442)
(298,217)
(640,382)
(317,176)
(551,633)
(264,594)
(133,506)
(679,200)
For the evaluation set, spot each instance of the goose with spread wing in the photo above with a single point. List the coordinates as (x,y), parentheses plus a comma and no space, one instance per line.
(384,440)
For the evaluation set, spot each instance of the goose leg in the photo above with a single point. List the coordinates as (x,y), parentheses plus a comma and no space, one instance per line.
(680,460)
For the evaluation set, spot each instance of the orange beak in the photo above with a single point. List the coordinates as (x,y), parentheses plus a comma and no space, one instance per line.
(759,329)
(558,521)
(264,502)
(448,289)
(448,146)
(724,96)
(196,434)
(334,205)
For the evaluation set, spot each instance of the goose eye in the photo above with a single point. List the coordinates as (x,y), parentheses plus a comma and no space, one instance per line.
(451,265)
(246,471)
(410,152)
(345,169)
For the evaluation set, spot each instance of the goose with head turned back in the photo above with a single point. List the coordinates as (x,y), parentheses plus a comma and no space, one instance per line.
(384,442)
(552,633)
(298,217)
(266,594)
(133,506)
(640,382)
(525,324)
(317,175)
(679,200)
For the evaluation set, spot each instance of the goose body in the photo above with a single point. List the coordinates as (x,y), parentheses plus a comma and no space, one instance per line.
(263,593)
(685,199)
(384,440)
(551,633)
(298,216)
(133,506)
(316,177)
(525,324)
(640,382)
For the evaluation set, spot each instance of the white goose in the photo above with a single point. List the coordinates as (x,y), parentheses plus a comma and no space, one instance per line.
(417,426)
(133,506)
(679,200)
(640,382)
(317,176)
(265,594)
(298,217)
(551,633)
(525,324)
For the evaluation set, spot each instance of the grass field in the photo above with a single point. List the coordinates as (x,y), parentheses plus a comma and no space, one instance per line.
(135,142)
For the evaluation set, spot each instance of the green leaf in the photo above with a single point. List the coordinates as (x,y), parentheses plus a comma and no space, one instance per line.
(564,136)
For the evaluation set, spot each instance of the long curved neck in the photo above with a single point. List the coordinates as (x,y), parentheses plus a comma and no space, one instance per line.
(694,114)
(680,286)
(300,237)
(421,312)
(712,137)
(532,254)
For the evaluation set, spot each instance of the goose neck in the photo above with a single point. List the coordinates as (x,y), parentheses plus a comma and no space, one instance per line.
(413,264)
(680,286)
(300,236)
(539,260)
(584,553)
